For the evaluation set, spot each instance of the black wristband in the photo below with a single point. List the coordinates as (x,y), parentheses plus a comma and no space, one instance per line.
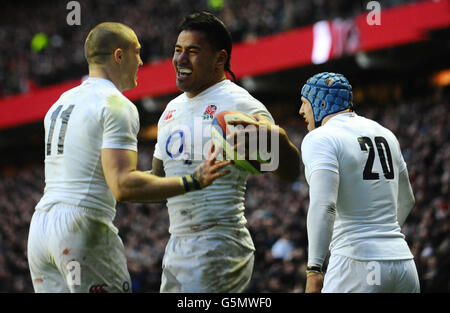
(190,183)
(186,184)
(314,268)
(196,182)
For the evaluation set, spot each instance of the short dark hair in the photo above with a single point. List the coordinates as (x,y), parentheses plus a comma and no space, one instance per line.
(104,38)
(215,30)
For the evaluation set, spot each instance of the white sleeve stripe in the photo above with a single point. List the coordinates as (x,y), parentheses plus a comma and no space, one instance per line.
(119,146)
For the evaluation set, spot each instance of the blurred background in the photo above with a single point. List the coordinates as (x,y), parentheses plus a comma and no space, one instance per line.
(398,63)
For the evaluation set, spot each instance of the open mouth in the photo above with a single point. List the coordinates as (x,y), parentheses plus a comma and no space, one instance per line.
(184,73)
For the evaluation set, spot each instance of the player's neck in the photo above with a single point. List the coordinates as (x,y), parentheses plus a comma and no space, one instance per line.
(101,72)
(192,94)
(328,117)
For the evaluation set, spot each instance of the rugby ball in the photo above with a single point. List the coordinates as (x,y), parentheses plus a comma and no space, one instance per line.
(220,129)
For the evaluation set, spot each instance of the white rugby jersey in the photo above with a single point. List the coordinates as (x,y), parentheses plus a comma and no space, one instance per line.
(84,120)
(184,133)
(368,159)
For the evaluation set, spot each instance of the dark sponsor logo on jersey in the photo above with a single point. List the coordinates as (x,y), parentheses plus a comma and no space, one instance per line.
(98,288)
(126,286)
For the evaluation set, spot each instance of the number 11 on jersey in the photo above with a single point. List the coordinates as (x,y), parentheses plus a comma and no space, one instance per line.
(65,116)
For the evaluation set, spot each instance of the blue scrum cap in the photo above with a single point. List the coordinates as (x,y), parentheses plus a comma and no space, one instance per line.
(328,93)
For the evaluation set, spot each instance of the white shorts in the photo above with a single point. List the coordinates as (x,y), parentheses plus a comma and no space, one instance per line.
(211,262)
(345,275)
(70,251)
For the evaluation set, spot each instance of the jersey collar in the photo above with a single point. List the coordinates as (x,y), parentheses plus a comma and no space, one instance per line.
(101,81)
(341,116)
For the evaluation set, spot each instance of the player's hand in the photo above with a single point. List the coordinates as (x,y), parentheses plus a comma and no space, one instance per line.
(207,172)
(260,124)
(314,283)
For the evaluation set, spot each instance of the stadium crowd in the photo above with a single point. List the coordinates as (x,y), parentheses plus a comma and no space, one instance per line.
(276,211)
(40,48)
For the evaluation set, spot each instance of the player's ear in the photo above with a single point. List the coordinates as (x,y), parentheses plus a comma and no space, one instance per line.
(118,55)
(222,57)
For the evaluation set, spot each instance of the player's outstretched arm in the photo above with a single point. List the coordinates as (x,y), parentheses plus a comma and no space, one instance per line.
(288,155)
(129,184)
(158,167)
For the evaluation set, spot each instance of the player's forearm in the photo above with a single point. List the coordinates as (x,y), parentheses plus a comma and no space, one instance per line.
(289,158)
(324,186)
(319,224)
(406,199)
(140,186)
